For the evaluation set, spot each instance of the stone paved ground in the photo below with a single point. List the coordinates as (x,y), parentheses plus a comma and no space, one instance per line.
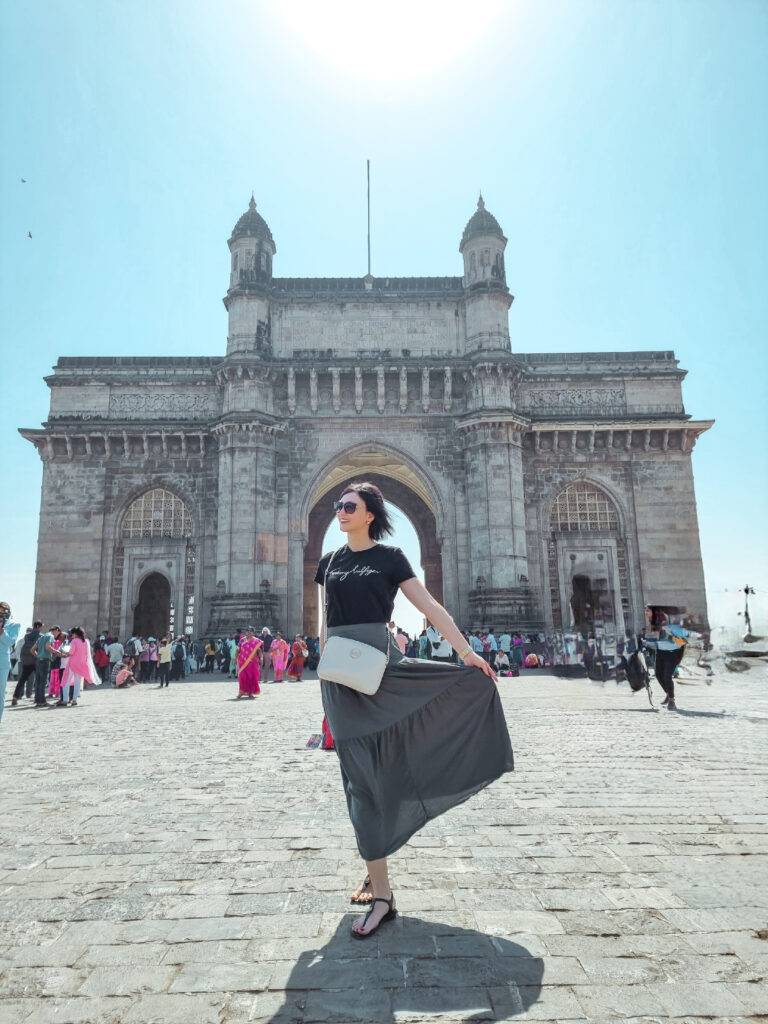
(176,856)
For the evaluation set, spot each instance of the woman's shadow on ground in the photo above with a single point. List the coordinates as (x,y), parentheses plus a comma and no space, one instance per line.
(410,966)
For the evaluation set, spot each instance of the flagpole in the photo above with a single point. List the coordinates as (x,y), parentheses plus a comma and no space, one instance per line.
(368,174)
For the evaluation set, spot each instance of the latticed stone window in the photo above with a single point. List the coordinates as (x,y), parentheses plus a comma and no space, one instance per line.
(582,506)
(157,513)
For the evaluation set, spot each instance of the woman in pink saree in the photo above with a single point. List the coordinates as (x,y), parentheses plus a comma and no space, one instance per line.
(248,673)
(80,668)
(279,651)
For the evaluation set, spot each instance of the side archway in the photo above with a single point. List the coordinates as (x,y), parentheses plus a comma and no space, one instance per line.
(154,566)
(588,563)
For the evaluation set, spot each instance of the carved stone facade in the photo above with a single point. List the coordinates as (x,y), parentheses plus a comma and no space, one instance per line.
(540,485)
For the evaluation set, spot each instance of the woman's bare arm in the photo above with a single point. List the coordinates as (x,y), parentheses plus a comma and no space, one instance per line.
(434,612)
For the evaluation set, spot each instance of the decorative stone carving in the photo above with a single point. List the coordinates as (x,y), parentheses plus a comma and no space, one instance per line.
(595,400)
(188,403)
(358,389)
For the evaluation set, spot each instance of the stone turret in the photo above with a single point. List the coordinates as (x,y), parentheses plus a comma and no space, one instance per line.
(487,299)
(252,249)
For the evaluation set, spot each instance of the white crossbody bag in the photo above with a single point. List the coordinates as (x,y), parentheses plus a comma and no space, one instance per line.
(349,662)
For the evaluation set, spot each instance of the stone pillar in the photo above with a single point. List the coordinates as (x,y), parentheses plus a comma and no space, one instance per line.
(248,544)
(496,522)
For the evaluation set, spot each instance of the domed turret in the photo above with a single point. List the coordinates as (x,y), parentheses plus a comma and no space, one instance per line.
(252,225)
(482,222)
(482,246)
(252,247)
(247,301)
(487,299)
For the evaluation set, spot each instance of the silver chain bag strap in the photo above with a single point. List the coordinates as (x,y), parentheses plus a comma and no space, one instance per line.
(349,662)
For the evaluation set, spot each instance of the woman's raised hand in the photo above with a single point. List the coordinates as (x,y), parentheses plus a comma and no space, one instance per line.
(472,659)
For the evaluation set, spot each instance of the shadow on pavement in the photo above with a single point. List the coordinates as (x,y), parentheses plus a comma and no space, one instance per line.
(411,967)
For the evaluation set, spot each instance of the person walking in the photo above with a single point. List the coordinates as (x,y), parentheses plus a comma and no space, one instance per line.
(299,652)
(248,661)
(9,634)
(265,656)
(279,652)
(432,735)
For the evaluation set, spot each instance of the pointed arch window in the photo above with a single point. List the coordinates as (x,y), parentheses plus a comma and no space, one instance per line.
(157,513)
(583,507)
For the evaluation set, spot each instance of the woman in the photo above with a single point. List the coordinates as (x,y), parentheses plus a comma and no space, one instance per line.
(101,661)
(80,668)
(248,674)
(152,643)
(9,634)
(298,654)
(279,652)
(432,736)
(210,656)
(58,664)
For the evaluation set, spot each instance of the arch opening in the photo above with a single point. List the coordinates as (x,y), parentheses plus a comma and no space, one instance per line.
(152,612)
(413,507)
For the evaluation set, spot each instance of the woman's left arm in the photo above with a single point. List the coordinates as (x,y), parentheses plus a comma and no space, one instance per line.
(434,612)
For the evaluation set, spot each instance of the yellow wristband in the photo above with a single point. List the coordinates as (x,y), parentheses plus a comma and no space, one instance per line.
(464,653)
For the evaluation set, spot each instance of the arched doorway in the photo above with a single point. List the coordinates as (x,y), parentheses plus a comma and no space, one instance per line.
(410,497)
(152,614)
(588,566)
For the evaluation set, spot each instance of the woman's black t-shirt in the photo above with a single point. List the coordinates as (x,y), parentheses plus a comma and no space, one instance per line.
(362,584)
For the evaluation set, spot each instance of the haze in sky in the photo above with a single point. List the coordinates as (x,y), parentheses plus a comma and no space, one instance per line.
(621,146)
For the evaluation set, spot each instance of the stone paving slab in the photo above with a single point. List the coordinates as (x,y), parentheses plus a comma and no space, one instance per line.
(177,856)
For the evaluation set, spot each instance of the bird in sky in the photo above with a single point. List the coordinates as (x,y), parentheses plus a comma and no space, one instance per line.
(23,181)
(29,234)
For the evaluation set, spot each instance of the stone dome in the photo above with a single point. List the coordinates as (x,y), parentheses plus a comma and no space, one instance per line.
(482,222)
(252,225)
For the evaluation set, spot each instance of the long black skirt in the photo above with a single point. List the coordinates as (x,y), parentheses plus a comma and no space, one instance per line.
(430,738)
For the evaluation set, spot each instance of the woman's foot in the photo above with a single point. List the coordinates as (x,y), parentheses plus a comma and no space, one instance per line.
(364,892)
(382,909)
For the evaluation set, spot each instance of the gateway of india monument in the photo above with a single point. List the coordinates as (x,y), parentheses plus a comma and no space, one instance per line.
(548,491)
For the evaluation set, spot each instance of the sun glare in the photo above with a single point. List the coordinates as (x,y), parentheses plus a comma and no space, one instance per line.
(399,41)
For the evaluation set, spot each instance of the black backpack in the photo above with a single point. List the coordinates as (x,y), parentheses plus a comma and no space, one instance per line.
(636,669)
(26,655)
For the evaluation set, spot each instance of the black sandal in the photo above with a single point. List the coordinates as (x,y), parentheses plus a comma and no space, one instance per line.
(361,899)
(390,915)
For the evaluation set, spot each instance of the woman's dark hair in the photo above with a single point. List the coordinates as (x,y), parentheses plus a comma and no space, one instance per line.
(77,631)
(374,502)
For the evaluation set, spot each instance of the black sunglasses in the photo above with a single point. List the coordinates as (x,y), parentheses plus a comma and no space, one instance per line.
(348,506)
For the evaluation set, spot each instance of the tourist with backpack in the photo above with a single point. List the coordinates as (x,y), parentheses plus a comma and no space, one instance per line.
(26,680)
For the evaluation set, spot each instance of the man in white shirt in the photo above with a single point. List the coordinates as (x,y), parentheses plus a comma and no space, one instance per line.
(493,646)
(116,652)
(505,642)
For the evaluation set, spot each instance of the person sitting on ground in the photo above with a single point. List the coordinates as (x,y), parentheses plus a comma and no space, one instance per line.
(502,662)
(119,672)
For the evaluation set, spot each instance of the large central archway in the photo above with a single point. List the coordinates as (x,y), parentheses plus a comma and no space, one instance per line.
(402,485)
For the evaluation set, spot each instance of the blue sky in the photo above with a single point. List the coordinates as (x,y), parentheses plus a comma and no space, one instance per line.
(622,146)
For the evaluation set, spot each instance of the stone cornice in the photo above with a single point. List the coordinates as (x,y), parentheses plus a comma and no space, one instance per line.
(67,442)
(617,436)
(493,418)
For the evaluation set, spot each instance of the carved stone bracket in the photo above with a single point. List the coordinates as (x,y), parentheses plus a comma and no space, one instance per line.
(545,438)
(79,445)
